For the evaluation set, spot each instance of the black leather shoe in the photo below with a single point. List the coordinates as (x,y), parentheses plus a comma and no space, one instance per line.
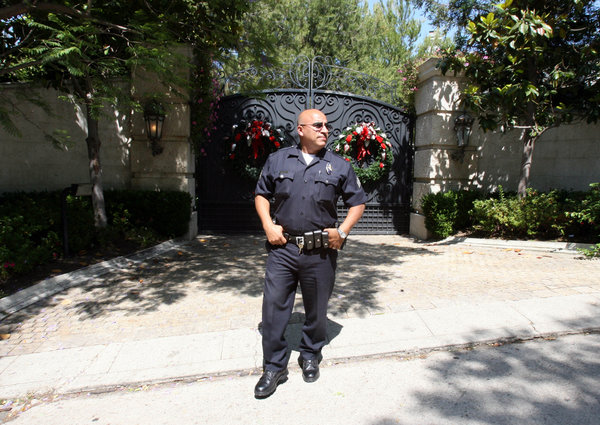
(310,369)
(267,384)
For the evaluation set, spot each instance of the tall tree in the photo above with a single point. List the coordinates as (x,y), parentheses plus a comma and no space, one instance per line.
(388,45)
(88,49)
(377,42)
(300,27)
(532,65)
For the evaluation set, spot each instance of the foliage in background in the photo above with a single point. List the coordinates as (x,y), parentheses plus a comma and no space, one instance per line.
(531,65)
(381,42)
(388,48)
(448,212)
(220,37)
(84,48)
(558,214)
(31,224)
(454,15)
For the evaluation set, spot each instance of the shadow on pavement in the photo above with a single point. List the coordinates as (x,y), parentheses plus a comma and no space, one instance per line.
(533,382)
(225,264)
(293,331)
(362,268)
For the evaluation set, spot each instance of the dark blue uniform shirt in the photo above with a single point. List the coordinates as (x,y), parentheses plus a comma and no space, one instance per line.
(305,197)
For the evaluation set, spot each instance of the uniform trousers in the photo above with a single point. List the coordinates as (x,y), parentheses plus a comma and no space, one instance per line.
(315,272)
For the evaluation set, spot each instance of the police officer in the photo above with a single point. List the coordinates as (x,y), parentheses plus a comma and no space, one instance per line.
(305,183)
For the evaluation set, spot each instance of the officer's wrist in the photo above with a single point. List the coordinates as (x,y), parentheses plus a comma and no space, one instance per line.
(342,234)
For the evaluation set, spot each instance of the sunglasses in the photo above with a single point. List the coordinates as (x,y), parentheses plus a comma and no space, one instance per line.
(319,125)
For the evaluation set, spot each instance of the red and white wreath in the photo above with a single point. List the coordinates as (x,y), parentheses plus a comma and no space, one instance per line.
(368,149)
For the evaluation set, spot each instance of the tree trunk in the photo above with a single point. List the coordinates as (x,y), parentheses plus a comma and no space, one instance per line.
(526,158)
(530,133)
(93,145)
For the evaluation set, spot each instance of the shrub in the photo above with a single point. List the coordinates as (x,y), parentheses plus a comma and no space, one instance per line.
(500,217)
(573,215)
(535,216)
(556,214)
(592,252)
(440,212)
(165,212)
(445,213)
(28,232)
(583,215)
(31,224)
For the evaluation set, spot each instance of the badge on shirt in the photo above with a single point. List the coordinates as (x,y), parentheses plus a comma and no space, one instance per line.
(328,168)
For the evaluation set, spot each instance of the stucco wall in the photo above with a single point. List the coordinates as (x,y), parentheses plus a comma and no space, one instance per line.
(32,163)
(567,157)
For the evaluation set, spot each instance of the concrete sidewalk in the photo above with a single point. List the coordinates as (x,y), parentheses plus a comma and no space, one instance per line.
(188,310)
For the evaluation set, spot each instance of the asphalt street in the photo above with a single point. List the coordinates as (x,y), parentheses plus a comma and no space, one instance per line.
(538,381)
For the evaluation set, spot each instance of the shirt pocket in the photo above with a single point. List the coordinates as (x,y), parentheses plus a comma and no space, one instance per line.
(327,187)
(283,185)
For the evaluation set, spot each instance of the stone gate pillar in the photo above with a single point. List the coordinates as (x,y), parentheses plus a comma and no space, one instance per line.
(439,164)
(174,168)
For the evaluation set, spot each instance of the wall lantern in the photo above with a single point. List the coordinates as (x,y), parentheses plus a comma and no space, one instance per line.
(154,115)
(462,126)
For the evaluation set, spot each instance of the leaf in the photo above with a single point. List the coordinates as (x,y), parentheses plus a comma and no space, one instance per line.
(489,19)
(523,28)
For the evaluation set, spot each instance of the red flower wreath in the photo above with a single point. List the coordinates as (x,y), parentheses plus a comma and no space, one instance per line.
(368,149)
(252,143)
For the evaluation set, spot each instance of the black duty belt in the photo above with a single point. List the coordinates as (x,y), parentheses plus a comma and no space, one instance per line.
(309,240)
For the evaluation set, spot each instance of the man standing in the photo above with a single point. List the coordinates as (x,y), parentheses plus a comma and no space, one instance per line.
(305,183)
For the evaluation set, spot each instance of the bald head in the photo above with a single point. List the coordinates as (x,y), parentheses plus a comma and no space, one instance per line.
(312,139)
(309,116)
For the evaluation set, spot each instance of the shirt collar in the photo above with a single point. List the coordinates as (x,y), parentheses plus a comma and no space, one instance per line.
(322,154)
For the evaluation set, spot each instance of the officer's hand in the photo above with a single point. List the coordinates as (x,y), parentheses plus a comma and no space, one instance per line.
(275,235)
(335,240)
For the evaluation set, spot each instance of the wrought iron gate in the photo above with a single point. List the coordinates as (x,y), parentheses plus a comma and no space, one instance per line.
(225,201)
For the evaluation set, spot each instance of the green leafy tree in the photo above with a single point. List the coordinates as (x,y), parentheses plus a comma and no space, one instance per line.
(377,42)
(433,44)
(454,15)
(387,46)
(530,66)
(300,27)
(88,50)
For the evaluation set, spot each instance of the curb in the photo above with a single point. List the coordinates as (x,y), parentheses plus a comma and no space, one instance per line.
(402,354)
(557,247)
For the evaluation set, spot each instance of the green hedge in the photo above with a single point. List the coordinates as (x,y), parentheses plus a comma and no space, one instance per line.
(446,213)
(31,223)
(168,212)
(558,214)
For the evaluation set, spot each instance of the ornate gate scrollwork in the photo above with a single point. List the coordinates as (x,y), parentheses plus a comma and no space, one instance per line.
(346,97)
